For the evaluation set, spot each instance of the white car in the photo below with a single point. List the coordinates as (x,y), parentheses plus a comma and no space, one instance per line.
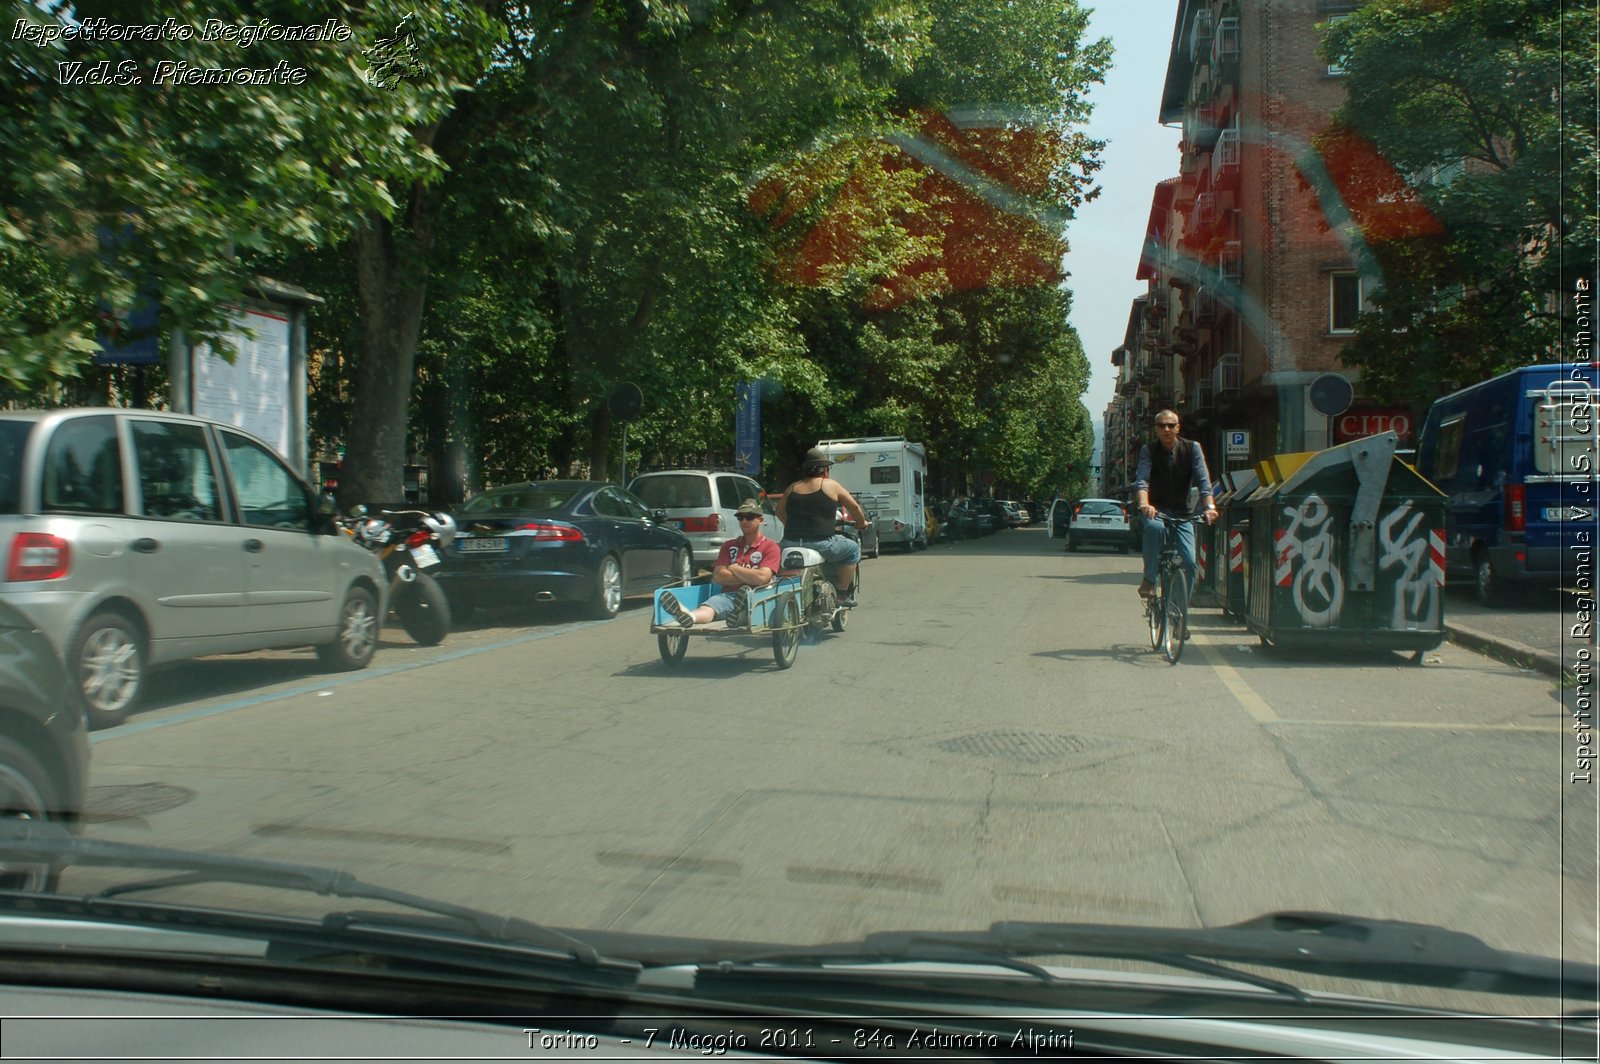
(1099,523)
(133,538)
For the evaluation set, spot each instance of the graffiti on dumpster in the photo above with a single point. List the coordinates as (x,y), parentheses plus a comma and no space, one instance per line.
(1420,559)
(1318,587)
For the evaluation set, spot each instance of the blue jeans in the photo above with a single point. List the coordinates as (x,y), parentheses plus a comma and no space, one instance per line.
(1153,530)
(839,549)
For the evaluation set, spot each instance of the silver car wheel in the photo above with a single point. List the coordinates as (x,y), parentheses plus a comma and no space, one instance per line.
(109,669)
(358,628)
(681,565)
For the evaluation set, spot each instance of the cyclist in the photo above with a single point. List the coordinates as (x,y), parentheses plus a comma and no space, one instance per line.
(809,509)
(1168,467)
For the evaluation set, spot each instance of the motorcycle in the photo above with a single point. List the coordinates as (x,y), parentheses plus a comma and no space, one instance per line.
(819,595)
(409,542)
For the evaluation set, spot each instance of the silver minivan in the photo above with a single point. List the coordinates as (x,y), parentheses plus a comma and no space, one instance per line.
(133,538)
(701,503)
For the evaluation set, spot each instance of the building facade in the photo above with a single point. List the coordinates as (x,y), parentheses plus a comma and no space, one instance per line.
(1254,265)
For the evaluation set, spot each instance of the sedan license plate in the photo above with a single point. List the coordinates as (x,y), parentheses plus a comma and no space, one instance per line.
(424,555)
(489,545)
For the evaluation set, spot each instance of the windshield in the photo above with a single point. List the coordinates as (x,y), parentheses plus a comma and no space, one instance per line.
(590,291)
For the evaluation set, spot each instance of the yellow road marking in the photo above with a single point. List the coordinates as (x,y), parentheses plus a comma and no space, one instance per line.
(1258,709)
(1253,703)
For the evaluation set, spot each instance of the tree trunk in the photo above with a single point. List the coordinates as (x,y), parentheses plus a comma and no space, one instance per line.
(392,277)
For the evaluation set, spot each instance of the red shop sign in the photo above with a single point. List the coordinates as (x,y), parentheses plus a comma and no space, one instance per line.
(1354,424)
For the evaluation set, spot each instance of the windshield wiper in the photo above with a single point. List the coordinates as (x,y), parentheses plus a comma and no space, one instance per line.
(1390,951)
(49,843)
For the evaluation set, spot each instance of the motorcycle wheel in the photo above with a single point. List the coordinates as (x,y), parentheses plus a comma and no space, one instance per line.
(423,610)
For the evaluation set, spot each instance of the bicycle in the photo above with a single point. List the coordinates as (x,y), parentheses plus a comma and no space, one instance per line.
(1167,610)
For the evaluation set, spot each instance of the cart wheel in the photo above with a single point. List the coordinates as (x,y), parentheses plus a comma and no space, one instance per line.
(673,646)
(840,619)
(786,636)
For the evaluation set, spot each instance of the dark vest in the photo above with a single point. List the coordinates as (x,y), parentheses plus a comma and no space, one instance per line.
(1170,482)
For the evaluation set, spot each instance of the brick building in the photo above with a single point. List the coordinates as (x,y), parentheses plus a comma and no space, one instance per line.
(1253,255)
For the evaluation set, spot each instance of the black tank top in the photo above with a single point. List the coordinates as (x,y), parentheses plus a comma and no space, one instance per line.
(811,516)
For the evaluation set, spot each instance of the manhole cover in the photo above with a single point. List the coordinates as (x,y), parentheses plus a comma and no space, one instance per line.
(1015,745)
(131,800)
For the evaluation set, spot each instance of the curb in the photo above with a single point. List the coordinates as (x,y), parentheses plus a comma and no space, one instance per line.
(1507,650)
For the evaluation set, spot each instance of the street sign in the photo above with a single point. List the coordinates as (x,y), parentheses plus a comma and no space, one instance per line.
(625,401)
(1238,443)
(1332,394)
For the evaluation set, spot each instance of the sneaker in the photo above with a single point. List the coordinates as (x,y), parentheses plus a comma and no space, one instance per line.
(848,598)
(671,604)
(740,617)
(1146,589)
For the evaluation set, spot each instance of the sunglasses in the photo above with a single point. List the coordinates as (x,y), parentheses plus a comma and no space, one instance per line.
(1166,424)
(749,517)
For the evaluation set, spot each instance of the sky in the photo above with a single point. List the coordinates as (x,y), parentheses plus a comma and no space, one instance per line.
(1104,239)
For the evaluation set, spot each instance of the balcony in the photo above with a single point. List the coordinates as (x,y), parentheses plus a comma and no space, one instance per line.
(1205,307)
(1225,156)
(1225,42)
(1231,262)
(1200,127)
(1200,34)
(1200,395)
(1205,211)
(1225,377)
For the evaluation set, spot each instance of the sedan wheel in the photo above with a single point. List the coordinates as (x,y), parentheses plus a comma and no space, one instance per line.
(682,566)
(607,598)
(108,663)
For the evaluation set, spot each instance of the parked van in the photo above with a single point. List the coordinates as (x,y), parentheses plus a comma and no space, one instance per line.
(1516,457)
(886,475)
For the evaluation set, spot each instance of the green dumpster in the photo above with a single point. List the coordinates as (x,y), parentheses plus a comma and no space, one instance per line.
(1346,550)
(1233,527)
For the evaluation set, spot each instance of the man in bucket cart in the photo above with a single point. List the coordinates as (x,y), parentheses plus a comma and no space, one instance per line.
(746,562)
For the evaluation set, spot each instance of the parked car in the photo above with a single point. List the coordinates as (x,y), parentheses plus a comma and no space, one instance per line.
(562,541)
(1099,523)
(1517,458)
(44,743)
(1015,515)
(991,515)
(134,538)
(700,503)
(1057,518)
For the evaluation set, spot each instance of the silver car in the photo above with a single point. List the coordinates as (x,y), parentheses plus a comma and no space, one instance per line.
(133,538)
(701,503)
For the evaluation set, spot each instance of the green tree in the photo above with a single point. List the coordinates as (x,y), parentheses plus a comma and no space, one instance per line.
(133,179)
(1493,122)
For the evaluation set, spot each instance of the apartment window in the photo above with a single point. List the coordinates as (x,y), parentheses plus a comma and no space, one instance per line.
(1349,294)
(1334,69)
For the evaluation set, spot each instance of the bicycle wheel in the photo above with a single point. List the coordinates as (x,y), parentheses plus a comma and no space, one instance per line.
(1177,618)
(1154,614)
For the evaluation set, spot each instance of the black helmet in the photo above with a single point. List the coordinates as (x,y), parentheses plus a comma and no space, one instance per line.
(816,458)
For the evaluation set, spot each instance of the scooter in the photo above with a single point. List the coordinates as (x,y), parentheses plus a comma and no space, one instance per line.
(409,542)
(819,594)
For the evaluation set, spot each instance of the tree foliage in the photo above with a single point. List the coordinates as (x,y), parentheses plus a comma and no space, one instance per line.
(1487,106)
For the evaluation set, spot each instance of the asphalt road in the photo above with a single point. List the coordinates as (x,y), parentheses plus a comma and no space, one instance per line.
(991,739)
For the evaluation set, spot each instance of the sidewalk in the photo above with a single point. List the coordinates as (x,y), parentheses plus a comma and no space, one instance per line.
(1530,634)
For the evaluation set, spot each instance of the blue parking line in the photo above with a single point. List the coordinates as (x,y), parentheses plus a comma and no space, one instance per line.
(122,731)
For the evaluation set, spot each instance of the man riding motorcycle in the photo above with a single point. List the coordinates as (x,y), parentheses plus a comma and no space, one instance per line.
(809,510)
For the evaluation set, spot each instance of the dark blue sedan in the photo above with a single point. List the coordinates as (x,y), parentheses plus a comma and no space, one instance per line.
(561,541)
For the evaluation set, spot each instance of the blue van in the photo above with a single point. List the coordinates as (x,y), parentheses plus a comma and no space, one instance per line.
(1516,457)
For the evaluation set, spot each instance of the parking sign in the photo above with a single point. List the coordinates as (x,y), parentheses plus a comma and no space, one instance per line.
(1238,443)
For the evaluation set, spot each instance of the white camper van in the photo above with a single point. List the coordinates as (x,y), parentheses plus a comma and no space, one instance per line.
(886,475)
